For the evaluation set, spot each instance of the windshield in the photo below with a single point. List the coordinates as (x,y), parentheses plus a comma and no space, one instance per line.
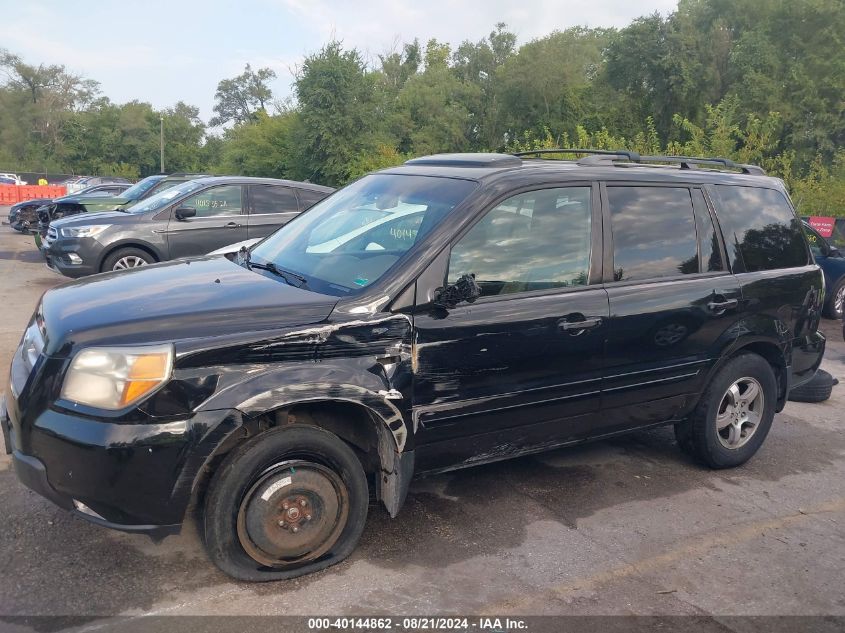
(348,241)
(163,198)
(140,188)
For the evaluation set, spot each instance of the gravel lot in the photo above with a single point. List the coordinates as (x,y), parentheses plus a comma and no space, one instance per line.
(628,526)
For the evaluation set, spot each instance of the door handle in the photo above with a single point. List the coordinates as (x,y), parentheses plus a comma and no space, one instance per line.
(722,306)
(576,327)
(232,225)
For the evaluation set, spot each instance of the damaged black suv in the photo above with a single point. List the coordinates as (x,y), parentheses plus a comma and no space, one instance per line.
(456,310)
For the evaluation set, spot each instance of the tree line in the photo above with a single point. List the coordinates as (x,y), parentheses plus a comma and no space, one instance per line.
(759,81)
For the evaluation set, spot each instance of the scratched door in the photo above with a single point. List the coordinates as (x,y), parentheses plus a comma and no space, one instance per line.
(521,367)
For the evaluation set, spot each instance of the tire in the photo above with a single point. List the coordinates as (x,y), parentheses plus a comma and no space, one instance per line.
(247,514)
(818,389)
(125,258)
(835,307)
(740,436)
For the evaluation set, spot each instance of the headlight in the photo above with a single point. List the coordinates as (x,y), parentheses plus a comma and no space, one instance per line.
(85,231)
(115,377)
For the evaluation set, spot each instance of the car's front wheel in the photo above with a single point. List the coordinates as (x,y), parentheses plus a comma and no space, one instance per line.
(288,502)
(125,258)
(734,414)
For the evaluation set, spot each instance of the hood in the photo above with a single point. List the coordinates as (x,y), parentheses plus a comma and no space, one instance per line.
(27,203)
(175,300)
(115,201)
(100,217)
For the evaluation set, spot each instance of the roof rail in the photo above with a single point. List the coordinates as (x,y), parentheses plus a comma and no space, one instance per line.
(685,162)
(605,154)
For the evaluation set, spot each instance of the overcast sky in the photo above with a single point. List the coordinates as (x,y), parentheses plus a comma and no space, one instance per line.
(163,52)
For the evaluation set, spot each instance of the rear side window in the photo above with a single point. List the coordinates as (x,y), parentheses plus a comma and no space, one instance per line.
(309,198)
(654,232)
(761,231)
(265,199)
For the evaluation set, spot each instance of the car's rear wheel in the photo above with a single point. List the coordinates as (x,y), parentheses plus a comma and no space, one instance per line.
(125,258)
(836,305)
(734,414)
(288,502)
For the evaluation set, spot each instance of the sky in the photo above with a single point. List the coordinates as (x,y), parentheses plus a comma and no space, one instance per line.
(163,52)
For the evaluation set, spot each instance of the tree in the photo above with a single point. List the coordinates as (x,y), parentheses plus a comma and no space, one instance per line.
(340,114)
(239,99)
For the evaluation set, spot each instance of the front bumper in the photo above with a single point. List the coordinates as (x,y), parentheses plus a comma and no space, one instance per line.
(130,477)
(58,256)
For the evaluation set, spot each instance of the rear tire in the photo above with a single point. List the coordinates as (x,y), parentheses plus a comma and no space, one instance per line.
(286,503)
(836,305)
(734,414)
(125,258)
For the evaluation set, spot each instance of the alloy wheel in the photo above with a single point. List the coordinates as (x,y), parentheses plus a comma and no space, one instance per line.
(130,261)
(740,412)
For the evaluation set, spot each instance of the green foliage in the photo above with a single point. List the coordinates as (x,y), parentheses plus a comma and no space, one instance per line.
(340,116)
(759,81)
(240,99)
(260,148)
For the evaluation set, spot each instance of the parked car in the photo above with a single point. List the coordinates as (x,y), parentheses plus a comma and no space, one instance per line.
(15,179)
(832,263)
(281,390)
(82,203)
(187,219)
(23,216)
(88,181)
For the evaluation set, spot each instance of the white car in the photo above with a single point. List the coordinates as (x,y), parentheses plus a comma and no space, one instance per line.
(14,177)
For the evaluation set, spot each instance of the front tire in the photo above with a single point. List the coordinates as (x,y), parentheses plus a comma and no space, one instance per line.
(125,258)
(288,502)
(734,414)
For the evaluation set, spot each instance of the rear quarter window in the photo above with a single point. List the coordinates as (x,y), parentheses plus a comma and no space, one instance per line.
(760,229)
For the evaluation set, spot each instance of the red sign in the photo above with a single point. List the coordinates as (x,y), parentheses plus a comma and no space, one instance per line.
(823,225)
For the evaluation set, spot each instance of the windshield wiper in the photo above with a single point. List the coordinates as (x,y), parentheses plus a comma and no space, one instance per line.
(287,275)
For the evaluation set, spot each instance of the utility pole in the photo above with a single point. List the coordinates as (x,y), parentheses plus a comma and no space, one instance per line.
(161,141)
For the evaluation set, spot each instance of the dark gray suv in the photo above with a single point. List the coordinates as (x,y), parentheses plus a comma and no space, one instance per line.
(193,218)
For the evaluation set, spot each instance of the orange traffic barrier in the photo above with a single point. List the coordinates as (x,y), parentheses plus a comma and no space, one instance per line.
(12,194)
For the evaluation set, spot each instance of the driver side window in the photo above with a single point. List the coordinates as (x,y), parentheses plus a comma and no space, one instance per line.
(532,241)
(223,200)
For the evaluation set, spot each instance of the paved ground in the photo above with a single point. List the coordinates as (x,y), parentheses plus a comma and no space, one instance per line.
(628,526)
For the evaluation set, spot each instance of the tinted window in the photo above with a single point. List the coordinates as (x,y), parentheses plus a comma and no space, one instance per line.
(224,200)
(532,241)
(708,243)
(761,231)
(309,198)
(653,232)
(267,199)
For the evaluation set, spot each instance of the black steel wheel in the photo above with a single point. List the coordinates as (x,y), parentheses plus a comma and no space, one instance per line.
(286,503)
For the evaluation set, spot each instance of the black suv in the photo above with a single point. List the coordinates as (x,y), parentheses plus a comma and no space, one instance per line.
(456,310)
(190,218)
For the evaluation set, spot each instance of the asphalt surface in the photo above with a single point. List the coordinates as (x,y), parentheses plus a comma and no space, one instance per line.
(629,526)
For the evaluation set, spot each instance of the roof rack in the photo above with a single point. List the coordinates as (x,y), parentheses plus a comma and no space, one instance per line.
(684,162)
(604,154)
(614,156)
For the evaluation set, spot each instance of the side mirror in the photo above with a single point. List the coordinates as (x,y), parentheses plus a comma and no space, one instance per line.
(185,212)
(834,252)
(464,289)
